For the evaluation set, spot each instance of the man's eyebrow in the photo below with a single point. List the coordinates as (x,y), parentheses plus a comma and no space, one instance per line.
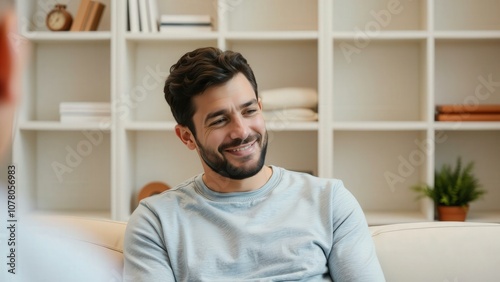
(248,104)
(223,111)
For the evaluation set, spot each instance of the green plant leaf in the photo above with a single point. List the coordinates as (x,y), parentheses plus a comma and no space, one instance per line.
(452,186)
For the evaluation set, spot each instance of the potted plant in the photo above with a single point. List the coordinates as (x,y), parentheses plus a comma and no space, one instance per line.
(454,189)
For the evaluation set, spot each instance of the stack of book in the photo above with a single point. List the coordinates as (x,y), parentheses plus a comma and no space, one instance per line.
(185,23)
(88,16)
(468,113)
(143,16)
(84,111)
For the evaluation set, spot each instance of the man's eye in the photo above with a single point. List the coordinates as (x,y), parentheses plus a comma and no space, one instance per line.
(218,121)
(250,111)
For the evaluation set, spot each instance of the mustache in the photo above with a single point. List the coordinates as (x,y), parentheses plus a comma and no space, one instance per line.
(239,141)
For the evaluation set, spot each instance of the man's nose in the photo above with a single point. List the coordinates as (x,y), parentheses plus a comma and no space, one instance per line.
(239,128)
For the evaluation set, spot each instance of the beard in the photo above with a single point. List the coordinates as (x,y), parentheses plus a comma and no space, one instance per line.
(218,163)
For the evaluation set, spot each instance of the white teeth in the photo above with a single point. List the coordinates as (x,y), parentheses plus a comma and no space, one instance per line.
(241,149)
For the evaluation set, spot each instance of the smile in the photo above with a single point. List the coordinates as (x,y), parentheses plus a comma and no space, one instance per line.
(242,149)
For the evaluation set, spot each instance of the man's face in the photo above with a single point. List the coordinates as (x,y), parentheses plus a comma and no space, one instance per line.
(231,137)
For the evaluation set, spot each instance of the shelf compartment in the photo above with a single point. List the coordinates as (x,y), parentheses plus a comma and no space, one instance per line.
(467,71)
(379,15)
(466,15)
(34,14)
(287,149)
(294,62)
(296,15)
(65,172)
(65,72)
(147,67)
(386,164)
(361,92)
(156,156)
(482,148)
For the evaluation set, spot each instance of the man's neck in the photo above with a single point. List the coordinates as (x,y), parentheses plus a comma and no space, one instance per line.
(221,184)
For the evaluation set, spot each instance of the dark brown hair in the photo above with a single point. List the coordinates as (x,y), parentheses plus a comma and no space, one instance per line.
(195,72)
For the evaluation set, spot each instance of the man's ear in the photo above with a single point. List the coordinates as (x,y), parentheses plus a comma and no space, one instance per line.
(186,136)
(259,102)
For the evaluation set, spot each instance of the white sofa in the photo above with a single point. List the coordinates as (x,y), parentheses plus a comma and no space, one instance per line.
(79,249)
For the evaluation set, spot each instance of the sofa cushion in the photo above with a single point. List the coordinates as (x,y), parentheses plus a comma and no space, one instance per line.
(58,248)
(439,251)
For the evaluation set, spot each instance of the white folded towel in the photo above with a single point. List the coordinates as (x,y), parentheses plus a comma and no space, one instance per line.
(295,114)
(289,97)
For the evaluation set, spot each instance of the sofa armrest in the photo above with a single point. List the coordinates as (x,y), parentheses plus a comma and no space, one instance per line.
(439,251)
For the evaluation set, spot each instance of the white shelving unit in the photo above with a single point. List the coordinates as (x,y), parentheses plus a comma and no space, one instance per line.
(380,68)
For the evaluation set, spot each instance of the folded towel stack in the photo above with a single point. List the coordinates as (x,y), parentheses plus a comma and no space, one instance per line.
(290,104)
(85,111)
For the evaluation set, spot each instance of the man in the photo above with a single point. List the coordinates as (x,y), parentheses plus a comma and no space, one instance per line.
(241,220)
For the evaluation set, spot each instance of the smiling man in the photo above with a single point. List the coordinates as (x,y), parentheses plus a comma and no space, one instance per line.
(241,220)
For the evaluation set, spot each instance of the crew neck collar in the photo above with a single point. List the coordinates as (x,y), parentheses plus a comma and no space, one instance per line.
(203,190)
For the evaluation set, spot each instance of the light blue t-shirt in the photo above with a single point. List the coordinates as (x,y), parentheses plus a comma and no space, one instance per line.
(296,227)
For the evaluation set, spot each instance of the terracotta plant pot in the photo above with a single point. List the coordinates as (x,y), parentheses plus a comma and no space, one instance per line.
(452,213)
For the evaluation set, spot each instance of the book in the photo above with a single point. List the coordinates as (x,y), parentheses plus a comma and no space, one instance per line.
(143,16)
(133,15)
(468,109)
(186,19)
(175,29)
(468,117)
(185,23)
(80,15)
(87,15)
(153,16)
(94,17)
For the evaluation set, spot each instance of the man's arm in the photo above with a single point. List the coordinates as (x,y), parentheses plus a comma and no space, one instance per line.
(146,258)
(353,256)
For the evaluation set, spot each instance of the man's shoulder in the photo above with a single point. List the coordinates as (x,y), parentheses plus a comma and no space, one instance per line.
(172,196)
(303,182)
(307,176)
